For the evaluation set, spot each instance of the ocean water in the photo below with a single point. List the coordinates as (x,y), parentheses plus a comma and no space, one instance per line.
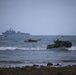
(14,52)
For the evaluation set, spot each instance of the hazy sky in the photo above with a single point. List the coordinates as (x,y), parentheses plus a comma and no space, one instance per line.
(39,17)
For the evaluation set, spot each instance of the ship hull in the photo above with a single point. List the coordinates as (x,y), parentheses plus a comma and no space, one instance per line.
(15,34)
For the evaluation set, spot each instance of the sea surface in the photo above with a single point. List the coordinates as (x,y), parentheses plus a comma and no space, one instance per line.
(14,52)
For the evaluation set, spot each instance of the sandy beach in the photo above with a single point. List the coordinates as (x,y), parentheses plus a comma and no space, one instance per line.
(36,70)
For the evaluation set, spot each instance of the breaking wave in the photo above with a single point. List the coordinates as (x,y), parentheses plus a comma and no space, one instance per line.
(11,62)
(21,48)
(34,48)
(72,48)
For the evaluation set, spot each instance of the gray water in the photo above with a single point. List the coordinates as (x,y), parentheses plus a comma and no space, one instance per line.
(14,52)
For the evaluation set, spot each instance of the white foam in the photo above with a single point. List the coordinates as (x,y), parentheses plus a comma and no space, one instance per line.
(72,48)
(21,48)
(7,48)
(32,48)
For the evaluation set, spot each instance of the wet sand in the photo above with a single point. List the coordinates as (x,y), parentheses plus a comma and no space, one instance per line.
(36,70)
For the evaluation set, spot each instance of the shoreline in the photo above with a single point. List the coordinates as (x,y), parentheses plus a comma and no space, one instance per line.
(39,64)
(39,70)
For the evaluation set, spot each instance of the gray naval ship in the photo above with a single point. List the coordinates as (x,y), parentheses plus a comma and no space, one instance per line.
(12,32)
